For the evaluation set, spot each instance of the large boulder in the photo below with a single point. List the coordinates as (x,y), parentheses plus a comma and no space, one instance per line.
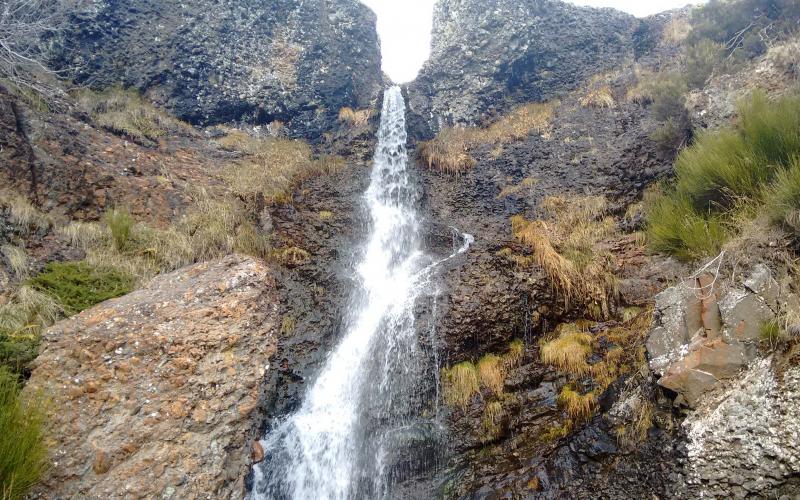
(154,394)
(212,61)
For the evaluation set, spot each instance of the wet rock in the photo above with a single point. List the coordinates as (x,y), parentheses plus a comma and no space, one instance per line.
(256,452)
(175,371)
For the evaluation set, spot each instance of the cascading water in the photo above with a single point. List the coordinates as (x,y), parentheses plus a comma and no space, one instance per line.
(361,429)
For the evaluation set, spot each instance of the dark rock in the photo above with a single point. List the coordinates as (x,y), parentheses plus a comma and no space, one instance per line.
(218,61)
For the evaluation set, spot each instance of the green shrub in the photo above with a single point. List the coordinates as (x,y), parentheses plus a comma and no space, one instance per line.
(23,454)
(120,222)
(669,98)
(727,171)
(79,286)
(702,58)
(671,135)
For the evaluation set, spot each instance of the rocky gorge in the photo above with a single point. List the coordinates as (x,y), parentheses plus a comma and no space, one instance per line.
(536,128)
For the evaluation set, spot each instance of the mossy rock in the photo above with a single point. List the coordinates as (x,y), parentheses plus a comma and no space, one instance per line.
(79,286)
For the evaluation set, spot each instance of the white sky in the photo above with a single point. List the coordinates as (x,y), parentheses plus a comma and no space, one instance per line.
(405,28)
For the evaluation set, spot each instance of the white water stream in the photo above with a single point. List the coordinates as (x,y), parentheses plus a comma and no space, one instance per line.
(359,427)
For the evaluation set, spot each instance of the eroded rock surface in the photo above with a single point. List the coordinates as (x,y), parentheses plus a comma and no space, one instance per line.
(212,62)
(702,335)
(154,394)
(487,54)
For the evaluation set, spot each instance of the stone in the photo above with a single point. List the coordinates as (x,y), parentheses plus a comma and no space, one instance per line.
(743,314)
(146,430)
(256,452)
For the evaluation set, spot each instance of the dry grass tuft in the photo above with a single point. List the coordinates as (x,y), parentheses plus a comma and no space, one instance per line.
(491,373)
(642,92)
(22,214)
(355,118)
(569,351)
(786,57)
(272,167)
(600,98)
(634,433)
(516,351)
(17,260)
(293,257)
(449,151)
(676,31)
(556,432)
(460,383)
(492,420)
(567,249)
(525,185)
(580,407)
(326,215)
(126,112)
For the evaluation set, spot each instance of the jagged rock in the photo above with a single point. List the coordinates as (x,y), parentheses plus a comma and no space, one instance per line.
(743,438)
(489,54)
(156,391)
(216,61)
(697,340)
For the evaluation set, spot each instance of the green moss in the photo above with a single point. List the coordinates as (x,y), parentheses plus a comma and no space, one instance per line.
(79,286)
(23,452)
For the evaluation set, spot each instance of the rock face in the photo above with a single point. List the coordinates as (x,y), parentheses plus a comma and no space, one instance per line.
(155,393)
(487,55)
(743,439)
(210,62)
(702,335)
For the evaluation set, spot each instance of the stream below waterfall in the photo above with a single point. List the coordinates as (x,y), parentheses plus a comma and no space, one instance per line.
(367,421)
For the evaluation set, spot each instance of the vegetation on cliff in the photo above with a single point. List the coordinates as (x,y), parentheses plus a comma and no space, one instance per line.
(750,167)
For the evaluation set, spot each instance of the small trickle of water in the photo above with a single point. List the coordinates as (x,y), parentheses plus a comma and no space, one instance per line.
(360,429)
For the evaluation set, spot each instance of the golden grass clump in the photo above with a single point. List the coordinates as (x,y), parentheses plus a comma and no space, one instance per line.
(525,185)
(355,118)
(492,419)
(569,351)
(579,406)
(272,167)
(515,353)
(635,432)
(449,151)
(293,256)
(17,260)
(460,383)
(600,97)
(326,215)
(23,214)
(568,250)
(491,373)
(126,112)
(676,31)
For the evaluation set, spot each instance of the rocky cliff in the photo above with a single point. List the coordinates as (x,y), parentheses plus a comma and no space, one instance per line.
(293,61)
(487,56)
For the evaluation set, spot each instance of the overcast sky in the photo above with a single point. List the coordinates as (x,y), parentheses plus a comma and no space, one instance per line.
(405,26)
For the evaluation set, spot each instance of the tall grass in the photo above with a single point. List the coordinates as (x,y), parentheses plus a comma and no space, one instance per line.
(749,165)
(23,454)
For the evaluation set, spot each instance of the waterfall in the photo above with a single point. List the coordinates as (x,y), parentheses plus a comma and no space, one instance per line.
(361,428)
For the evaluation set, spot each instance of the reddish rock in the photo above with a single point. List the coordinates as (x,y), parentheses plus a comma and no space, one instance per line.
(257,452)
(148,418)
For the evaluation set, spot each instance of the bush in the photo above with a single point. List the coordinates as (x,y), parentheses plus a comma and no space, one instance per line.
(120,223)
(723,171)
(669,98)
(491,373)
(702,58)
(23,454)
(127,113)
(784,196)
(569,351)
(78,286)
